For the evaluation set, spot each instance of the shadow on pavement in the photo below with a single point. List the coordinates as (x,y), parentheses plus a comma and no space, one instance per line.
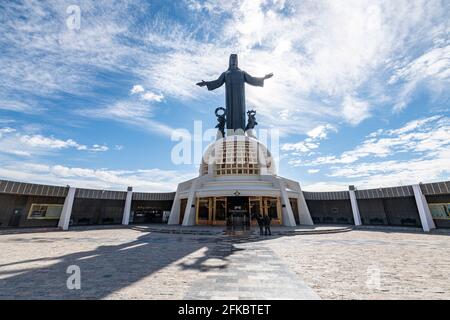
(110,268)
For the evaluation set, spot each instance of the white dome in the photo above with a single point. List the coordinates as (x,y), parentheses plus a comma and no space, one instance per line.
(237,155)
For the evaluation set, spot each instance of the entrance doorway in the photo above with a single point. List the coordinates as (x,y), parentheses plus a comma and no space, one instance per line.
(147,215)
(14,221)
(212,211)
(238,213)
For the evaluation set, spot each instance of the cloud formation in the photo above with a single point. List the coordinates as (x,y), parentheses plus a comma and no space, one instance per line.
(379,161)
(331,59)
(312,142)
(20,144)
(148,180)
(335,62)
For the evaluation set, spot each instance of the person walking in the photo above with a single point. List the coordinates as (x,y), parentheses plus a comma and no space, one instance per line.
(267,220)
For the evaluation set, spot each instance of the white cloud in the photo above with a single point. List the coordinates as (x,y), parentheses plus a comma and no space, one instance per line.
(413,125)
(335,50)
(133,113)
(332,60)
(18,106)
(325,186)
(6,130)
(355,111)
(46,58)
(423,136)
(149,180)
(324,53)
(432,69)
(313,171)
(99,148)
(321,132)
(136,112)
(39,141)
(398,172)
(419,151)
(312,142)
(126,110)
(137,89)
(17,143)
(434,63)
(301,146)
(150,96)
(147,96)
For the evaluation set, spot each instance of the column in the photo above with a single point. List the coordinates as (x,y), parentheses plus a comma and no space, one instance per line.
(303,210)
(127,208)
(355,208)
(189,214)
(424,211)
(66,212)
(174,217)
(288,216)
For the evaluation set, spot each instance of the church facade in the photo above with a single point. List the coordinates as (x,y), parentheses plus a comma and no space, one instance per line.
(236,182)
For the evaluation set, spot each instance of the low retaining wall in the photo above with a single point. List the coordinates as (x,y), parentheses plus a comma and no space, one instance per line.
(34,205)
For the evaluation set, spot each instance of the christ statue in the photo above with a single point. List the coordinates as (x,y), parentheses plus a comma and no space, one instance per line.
(235,79)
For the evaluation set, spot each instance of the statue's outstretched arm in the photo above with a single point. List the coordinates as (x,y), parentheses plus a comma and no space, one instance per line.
(256,81)
(211,85)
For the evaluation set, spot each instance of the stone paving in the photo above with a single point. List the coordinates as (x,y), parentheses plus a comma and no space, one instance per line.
(370,264)
(250,272)
(126,263)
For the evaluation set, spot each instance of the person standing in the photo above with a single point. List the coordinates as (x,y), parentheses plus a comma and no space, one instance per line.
(267,220)
(260,221)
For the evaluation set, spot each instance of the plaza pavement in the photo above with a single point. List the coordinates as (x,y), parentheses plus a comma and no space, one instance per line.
(136,263)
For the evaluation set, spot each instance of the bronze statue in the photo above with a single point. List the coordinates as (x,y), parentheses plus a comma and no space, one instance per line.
(221,119)
(235,79)
(251,122)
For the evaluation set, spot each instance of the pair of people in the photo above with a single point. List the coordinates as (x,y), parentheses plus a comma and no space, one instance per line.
(264,223)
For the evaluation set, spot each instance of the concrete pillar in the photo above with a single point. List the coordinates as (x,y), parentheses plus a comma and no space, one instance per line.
(286,209)
(174,217)
(303,213)
(424,211)
(66,212)
(189,214)
(127,208)
(303,210)
(355,208)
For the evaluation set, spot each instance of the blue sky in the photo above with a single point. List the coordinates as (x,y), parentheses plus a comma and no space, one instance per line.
(360,93)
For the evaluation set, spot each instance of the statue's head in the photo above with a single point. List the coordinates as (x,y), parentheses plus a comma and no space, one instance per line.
(233,61)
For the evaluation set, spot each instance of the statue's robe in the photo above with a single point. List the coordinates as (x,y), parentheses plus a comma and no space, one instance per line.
(235,80)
